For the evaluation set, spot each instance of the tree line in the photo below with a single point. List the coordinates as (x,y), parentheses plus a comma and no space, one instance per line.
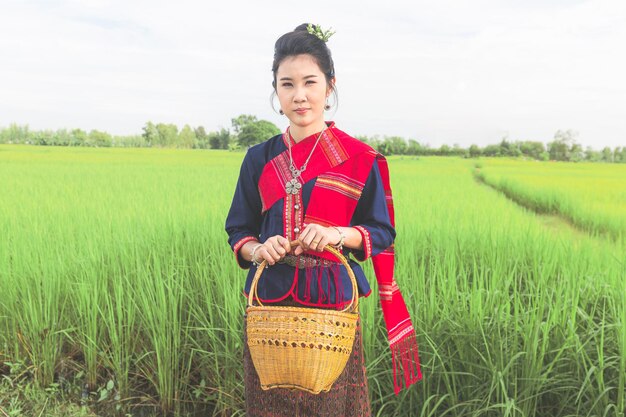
(246,130)
(563,147)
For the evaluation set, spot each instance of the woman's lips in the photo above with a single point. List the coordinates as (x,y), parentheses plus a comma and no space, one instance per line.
(301,111)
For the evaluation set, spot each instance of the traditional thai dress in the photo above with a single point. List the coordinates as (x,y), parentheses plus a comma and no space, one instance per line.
(346,183)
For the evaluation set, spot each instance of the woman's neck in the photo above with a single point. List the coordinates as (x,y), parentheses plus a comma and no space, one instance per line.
(300,132)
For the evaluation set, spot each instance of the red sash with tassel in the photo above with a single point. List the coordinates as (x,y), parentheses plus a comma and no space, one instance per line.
(341,165)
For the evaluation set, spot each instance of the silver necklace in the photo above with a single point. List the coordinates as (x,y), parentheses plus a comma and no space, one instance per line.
(293,186)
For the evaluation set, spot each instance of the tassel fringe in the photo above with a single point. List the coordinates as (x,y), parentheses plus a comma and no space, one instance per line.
(327,283)
(406,363)
(307,288)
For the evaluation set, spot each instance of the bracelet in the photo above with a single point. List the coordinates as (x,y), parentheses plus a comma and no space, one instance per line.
(339,246)
(252,253)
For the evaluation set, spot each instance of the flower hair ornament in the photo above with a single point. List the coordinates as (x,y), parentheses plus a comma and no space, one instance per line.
(324,35)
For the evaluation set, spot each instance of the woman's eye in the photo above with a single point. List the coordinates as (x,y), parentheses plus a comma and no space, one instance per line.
(310,82)
(286,85)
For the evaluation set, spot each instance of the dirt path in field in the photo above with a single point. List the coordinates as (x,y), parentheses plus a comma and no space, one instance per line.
(555,222)
(552,222)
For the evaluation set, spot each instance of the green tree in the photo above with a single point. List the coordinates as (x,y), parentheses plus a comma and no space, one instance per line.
(558,151)
(186,138)
(78,137)
(220,139)
(393,145)
(617,155)
(150,134)
(576,153)
(242,121)
(474,151)
(414,148)
(444,150)
(256,132)
(491,150)
(224,137)
(61,138)
(457,150)
(532,149)
(43,137)
(98,138)
(168,134)
(505,147)
(592,155)
(130,141)
(15,134)
(214,140)
(560,148)
(515,150)
(607,154)
(373,141)
(202,138)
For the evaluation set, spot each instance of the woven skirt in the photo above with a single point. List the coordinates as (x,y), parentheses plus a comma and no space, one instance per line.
(348,396)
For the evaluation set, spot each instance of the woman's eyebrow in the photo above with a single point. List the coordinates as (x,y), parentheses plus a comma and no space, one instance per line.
(289,79)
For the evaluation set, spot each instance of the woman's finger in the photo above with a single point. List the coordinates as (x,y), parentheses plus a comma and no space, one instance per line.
(301,238)
(284,242)
(266,253)
(309,239)
(273,253)
(274,247)
(279,248)
(263,255)
(322,244)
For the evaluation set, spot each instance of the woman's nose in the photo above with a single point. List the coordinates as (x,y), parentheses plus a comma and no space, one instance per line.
(299,95)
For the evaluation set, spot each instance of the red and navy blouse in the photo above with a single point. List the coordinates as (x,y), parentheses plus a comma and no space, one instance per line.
(322,285)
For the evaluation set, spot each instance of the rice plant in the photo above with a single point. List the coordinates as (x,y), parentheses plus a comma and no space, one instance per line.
(115,261)
(592,196)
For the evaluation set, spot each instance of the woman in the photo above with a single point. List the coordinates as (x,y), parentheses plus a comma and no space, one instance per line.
(319,186)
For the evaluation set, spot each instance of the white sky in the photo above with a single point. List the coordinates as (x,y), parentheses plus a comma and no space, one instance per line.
(440,71)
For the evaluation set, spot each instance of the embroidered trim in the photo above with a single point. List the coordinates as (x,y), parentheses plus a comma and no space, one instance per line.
(287,214)
(386,291)
(282,297)
(341,305)
(341,184)
(312,219)
(298,214)
(293,292)
(332,149)
(303,261)
(239,245)
(400,334)
(367,243)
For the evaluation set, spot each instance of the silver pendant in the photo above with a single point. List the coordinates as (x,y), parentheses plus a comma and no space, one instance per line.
(293,186)
(295,172)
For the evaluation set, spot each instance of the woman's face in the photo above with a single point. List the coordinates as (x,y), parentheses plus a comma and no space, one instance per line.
(302,90)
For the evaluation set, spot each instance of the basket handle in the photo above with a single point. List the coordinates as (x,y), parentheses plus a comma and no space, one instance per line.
(354,303)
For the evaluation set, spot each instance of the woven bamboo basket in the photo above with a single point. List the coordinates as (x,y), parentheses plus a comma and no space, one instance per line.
(298,347)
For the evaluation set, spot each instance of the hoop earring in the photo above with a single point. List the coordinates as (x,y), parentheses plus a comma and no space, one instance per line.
(280,111)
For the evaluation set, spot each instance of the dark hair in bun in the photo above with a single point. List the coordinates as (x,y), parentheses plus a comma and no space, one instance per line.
(298,42)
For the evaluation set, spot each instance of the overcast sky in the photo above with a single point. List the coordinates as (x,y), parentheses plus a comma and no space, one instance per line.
(437,71)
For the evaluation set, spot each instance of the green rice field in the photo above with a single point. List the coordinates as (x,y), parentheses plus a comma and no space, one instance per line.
(116,275)
(589,195)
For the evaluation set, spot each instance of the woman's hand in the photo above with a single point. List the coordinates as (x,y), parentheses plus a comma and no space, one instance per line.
(316,237)
(272,250)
